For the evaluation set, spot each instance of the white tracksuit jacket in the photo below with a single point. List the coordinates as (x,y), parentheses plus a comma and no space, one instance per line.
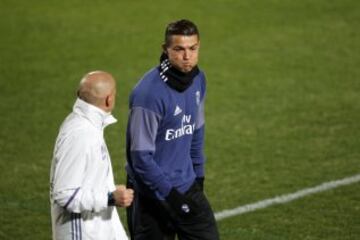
(81,178)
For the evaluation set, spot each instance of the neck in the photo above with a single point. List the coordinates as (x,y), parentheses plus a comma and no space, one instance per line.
(176,79)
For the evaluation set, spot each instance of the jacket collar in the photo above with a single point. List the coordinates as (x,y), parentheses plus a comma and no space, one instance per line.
(99,118)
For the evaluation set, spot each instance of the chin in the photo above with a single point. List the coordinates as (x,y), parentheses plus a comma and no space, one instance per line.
(186,70)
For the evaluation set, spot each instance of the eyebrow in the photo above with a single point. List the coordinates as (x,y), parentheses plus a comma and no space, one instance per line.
(182,47)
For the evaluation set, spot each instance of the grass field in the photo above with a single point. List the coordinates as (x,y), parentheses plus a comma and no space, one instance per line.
(282,113)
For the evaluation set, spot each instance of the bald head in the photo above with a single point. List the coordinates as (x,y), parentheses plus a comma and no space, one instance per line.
(98,88)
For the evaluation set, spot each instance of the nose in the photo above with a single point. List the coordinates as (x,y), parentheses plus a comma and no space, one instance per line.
(186,54)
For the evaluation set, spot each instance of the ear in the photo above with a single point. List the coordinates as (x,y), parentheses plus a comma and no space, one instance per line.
(163,46)
(108,101)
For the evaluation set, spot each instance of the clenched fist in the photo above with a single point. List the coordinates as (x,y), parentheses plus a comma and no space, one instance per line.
(123,196)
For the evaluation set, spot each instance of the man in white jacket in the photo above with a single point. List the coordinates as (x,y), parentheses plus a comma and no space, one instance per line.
(82,191)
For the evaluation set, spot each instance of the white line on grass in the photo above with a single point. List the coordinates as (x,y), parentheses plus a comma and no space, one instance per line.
(285,198)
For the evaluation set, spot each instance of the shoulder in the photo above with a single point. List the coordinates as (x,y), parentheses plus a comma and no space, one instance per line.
(202,78)
(77,131)
(200,82)
(149,93)
(148,81)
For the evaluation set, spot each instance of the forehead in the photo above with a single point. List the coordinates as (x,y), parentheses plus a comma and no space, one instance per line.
(183,40)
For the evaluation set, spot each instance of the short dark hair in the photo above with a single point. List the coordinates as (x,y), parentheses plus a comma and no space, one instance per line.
(181,27)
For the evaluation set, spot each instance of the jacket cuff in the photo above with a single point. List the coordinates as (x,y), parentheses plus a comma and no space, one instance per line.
(100,201)
(164,189)
(111,199)
(199,170)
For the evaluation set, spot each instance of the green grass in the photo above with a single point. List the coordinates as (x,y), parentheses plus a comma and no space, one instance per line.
(329,215)
(282,110)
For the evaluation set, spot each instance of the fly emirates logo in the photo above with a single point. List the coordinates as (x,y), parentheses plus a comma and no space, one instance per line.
(186,129)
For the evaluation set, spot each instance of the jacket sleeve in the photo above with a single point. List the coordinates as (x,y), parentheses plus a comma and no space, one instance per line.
(142,131)
(197,144)
(70,190)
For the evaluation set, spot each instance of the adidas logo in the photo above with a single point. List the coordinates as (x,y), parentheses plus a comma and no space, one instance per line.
(177,110)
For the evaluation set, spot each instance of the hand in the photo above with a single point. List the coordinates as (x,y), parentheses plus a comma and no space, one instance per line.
(200,182)
(123,196)
(181,204)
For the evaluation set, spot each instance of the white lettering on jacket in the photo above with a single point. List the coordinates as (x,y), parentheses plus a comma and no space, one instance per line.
(185,129)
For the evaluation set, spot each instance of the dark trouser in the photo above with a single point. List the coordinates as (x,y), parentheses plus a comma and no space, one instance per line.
(150,219)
